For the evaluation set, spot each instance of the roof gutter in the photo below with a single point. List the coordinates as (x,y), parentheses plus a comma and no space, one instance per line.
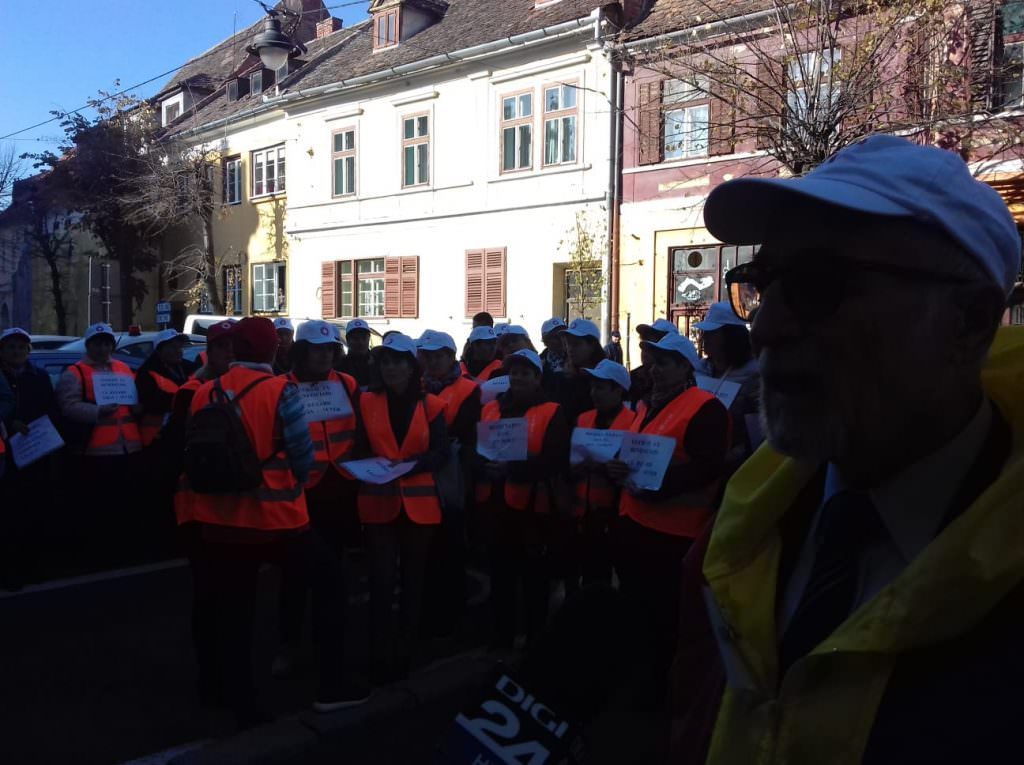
(703,30)
(565,29)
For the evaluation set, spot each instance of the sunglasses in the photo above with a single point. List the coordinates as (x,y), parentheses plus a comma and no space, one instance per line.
(811,287)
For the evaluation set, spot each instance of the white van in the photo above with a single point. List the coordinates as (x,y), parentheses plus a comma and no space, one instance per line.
(198,323)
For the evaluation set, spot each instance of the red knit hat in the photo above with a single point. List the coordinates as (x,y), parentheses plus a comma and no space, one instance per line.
(255,339)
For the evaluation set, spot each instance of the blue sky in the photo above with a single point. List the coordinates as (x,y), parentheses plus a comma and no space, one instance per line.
(64,51)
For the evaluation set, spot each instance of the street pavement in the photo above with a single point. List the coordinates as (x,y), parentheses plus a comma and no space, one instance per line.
(99,670)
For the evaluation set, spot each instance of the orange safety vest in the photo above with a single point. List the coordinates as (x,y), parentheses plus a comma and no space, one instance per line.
(151,422)
(518,495)
(454,396)
(685,515)
(279,503)
(332,439)
(491,370)
(121,424)
(416,494)
(594,490)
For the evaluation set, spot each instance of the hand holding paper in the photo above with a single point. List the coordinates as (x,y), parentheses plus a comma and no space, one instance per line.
(594,445)
(377,470)
(648,458)
(502,440)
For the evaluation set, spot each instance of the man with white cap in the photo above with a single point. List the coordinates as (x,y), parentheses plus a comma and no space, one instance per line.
(553,355)
(649,333)
(286,339)
(583,347)
(480,363)
(358,362)
(596,497)
(657,527)
(157,380)
(865,572)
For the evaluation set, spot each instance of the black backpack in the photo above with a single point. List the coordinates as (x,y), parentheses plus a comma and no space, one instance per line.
(219,457)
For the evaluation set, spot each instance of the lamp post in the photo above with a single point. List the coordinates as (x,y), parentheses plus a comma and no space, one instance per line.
(272,45)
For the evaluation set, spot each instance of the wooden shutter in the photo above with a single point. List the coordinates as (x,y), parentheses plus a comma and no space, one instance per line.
(984,42)
(650,121)
(722,113)
(393,287)
(329,289)
(409,283)
(494,282)
(474,282)
(771,84)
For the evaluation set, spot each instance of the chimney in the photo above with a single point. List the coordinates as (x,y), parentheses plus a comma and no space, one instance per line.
(328,26)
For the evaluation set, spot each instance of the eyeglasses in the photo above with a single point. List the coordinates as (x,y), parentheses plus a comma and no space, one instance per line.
(811,287)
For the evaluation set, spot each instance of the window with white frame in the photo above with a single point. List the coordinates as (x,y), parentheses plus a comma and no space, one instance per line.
(171,112)
(560,124)
(813,91)
(232,180)
(268,171)
(687,115)
(343,154)
(517,132)
(416,150)
(268,287)
(1011,76)
(361,283)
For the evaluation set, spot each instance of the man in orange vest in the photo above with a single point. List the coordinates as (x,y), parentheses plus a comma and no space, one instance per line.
(105,443)
(516,499)
(399,423)
(657,527)
(158,379)
(597,498)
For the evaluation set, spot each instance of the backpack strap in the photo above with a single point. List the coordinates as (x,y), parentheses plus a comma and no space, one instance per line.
(224,396)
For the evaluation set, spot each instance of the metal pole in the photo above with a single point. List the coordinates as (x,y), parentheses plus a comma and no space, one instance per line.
(88,300)
(105,291)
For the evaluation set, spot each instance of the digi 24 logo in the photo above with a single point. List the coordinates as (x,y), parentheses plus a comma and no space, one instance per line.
(518,729)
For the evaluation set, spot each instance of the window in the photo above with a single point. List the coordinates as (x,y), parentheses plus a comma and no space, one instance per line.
(687,114)
(517,132)
(485,281)
(1012,76)
(232,188)
(416,150)
(370,288)
(268,171)
(256,82)
(268,287)
(812,94)
(559,124)
(282,71)
(386,29)
(343,153)
(232,278)
(171,112)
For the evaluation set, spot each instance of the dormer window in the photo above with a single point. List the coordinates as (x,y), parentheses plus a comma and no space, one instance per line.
(386,29)
(237,89)
(256,83)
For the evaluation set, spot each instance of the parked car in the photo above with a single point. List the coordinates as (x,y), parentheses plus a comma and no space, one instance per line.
(197,323)
(139,345)
(49,342)
(56,361)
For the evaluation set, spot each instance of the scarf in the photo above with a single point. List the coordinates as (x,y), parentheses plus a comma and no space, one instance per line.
(435,385)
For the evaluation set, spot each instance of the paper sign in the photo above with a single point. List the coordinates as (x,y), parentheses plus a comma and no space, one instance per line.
(110,388)
(42,439)
(648,457)
(724,390)
(595,445)
(377,469)
(326,400)
(502,440)
(493,388)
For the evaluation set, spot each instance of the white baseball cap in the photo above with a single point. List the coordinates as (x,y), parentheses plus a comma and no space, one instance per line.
(432,340)
(482,334)
(676,343)
(720,315)
(886,176)
(356,324)
(501,328)
(515,329)
(100,329)
(551,325)
(583,328)
(529,355)
(607,369)
(399,343)
(317,332)
(167,336)
(659,325)
(284,323)
(15,332)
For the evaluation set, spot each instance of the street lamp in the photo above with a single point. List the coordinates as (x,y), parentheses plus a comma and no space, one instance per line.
(272,45)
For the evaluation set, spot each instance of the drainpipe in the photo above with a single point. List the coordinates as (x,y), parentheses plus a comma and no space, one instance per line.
(615,207)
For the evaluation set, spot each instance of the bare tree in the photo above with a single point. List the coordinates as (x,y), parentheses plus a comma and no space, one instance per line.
(11,169)
(585,244)
(800,79)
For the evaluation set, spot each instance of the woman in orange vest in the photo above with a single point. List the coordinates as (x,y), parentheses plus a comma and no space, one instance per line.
(158,379)
(656,528)
(596,497)
(330,490)
(105,445)
(445,592)
(399,423)
(516,499)
(480,363)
